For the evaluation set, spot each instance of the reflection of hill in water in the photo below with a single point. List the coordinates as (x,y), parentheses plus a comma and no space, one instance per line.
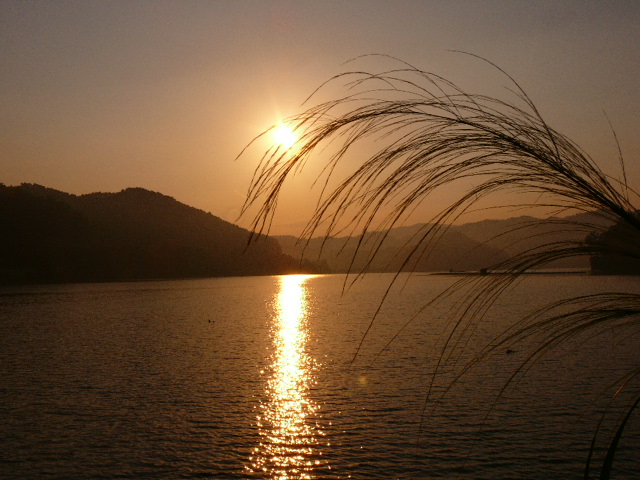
(467,247)
(52,236)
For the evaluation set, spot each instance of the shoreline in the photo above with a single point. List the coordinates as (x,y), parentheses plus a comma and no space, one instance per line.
(488,272)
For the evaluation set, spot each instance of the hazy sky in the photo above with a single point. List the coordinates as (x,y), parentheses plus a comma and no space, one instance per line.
(104,95)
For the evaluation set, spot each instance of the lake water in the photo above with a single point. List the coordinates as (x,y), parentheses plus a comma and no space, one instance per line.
(256,378)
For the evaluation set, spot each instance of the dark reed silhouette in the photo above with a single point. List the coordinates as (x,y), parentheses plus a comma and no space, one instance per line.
(426,135)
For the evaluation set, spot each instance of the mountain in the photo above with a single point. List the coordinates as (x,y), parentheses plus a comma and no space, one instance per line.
(454,251)
(519,234)
(619,250)
(466,247)
(52,236)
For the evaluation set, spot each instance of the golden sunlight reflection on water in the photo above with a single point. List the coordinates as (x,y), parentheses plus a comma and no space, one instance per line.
(289,446)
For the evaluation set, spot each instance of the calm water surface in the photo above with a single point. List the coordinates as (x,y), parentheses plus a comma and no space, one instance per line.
(255,378)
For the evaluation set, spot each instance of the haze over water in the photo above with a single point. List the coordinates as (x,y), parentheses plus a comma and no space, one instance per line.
(253,378)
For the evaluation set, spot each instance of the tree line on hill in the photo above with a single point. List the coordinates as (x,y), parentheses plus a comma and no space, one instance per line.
(52,236)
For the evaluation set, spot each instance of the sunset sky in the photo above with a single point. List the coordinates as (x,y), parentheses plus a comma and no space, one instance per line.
(104,95)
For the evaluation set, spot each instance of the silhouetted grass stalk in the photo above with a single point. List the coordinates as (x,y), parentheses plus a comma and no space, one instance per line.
(433,136)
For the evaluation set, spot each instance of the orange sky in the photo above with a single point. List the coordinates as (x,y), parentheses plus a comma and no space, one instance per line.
(100,96)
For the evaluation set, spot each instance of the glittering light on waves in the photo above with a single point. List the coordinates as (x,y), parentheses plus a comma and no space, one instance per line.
(289,446)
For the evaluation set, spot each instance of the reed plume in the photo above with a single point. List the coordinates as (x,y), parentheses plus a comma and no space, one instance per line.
(428,136)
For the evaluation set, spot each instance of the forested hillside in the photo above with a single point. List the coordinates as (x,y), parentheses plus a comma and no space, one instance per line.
(51,236)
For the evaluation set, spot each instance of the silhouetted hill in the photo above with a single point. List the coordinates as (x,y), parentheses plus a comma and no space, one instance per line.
(467,247)
(620,251)
(519,234)
(52,236)
(455,251)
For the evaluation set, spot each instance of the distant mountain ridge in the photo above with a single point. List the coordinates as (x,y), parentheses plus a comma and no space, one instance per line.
(52,236)
(459,248)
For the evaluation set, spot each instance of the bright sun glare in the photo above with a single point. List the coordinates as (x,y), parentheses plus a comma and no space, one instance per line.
(290,442)
(284,136)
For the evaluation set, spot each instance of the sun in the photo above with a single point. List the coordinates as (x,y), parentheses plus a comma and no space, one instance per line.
(284,136)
